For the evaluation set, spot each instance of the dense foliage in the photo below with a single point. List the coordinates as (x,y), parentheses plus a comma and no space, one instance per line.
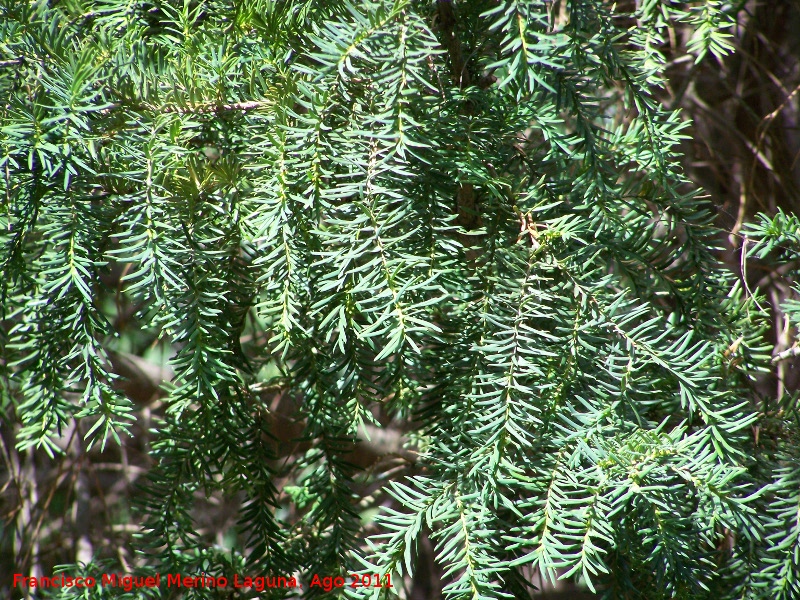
(463,222)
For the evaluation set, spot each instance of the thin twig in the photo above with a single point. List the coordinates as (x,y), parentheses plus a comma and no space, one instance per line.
(788,353)
(209,108)
(743,269)
(205,108)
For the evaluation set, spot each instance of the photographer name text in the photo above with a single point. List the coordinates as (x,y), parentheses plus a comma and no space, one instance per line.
(176,580)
